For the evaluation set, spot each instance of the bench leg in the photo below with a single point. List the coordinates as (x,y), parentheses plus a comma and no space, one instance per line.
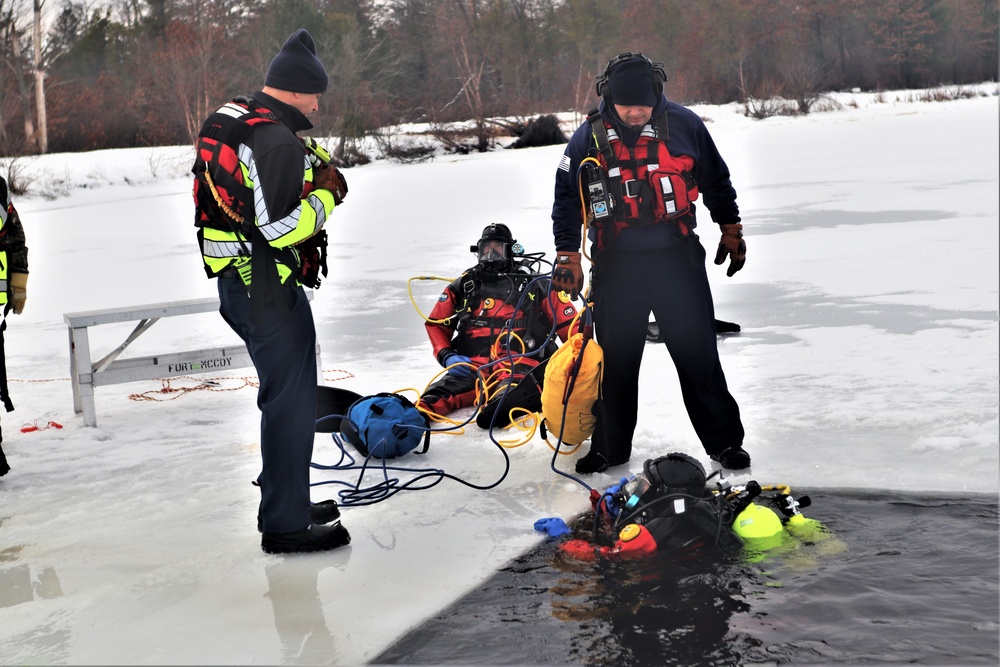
(82,375)
(73,377)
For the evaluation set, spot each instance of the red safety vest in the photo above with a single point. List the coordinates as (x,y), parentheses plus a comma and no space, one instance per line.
(219,138)
(647,184)
(224,200)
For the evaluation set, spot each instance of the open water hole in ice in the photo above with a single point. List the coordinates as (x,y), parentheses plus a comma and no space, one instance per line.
(893,578)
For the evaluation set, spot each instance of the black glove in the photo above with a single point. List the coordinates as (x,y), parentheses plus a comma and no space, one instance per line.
(568,274)
(312,260)
(733,245)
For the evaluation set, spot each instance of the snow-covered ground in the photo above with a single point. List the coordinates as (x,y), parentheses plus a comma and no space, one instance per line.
(868,358)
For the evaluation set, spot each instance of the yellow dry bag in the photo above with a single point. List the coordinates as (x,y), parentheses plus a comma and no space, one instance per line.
(572,385)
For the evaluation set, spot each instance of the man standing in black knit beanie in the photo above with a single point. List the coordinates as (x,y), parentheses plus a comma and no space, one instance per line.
(262,238)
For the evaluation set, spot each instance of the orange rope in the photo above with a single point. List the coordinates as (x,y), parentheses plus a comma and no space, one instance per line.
(167,392)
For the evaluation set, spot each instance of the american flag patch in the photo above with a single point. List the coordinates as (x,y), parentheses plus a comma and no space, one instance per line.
(564,163)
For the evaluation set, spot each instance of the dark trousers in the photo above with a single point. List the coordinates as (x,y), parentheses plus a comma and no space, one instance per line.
(283,349)
(672,284)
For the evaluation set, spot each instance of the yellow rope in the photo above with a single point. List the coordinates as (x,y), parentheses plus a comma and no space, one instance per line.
(409,289)
(218,198)
(523,420)
(486,386)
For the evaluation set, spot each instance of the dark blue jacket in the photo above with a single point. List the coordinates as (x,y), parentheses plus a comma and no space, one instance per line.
(688,136)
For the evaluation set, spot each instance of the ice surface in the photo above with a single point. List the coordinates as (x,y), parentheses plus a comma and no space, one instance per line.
(868,358)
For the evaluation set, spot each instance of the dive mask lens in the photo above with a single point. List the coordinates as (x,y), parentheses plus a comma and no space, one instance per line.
(634,490)
(492,251)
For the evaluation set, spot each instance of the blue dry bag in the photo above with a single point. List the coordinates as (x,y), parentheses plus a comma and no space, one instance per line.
(385,426)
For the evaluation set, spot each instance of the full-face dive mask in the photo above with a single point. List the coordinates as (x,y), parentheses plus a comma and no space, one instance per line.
(495,249)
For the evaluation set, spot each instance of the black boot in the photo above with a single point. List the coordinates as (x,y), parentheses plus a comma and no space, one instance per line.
(322,512)
(313,538)
(734,458)
(4,468)
(592,462)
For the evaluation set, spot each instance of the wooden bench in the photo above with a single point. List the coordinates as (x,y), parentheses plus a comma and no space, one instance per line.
(86,375)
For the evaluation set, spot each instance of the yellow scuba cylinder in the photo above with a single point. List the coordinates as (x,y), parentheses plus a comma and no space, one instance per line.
(760,527)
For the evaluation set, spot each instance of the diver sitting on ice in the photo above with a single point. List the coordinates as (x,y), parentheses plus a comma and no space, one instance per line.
(670,505)
(497,316)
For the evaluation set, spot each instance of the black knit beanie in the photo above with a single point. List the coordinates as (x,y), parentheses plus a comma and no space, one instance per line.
(631,84)
(296,67)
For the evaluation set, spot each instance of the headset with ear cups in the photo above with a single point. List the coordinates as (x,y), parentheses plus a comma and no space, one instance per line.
(602,80)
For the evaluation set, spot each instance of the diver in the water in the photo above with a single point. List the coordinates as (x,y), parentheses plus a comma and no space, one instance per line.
(671,505)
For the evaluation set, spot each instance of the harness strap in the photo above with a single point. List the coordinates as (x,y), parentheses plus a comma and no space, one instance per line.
(520,323)
(614,171)
(601,135)
(473,291)
(662,128)
(469,290)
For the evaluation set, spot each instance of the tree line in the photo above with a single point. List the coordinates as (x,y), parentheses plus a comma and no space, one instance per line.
(123,73)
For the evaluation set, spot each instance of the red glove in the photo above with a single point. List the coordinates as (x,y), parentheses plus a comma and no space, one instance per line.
(568,274)
(732,244)
(330,178)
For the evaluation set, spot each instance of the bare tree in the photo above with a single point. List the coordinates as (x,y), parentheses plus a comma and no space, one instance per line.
(472,89)
(26,56)
(803,80)
(189,63)
(43,123)
(12,53)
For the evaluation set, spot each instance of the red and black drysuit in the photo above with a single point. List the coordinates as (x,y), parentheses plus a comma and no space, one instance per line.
(650,260)
(473,311)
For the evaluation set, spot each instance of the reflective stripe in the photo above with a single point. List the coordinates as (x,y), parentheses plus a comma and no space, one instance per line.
(648,130)
(317,205)
(221,249)
(271,229)
(232,110)
(301,223)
